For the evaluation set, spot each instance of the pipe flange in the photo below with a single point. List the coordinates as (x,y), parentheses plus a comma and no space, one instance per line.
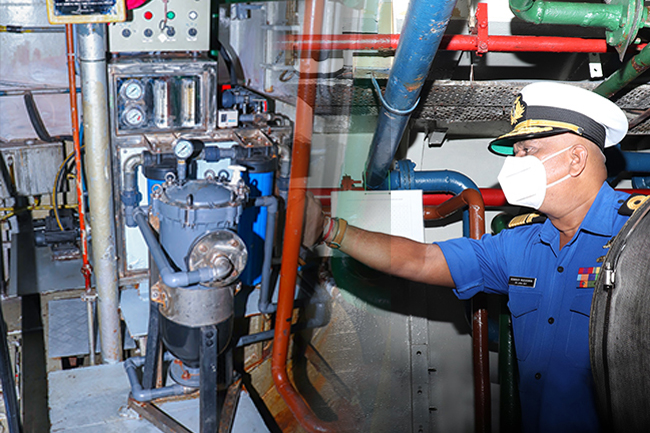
(622,37)
(216,248)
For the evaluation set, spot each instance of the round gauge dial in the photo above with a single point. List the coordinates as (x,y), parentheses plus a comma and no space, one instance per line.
(133,90)
(134,116)
(183,149)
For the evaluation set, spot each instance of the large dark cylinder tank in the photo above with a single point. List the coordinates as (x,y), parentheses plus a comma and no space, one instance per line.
(618,337)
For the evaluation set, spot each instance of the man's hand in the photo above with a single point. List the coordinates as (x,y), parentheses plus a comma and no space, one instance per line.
(314,220)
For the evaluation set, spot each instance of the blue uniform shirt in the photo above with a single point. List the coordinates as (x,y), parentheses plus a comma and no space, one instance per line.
(550,293)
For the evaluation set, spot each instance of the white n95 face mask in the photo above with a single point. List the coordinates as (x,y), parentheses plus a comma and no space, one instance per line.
(523,180)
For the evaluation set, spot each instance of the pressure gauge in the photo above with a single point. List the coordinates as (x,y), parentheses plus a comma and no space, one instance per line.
(134,117)
(183,149)
(133,90)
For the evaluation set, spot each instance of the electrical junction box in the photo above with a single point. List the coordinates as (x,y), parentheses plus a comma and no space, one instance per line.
(162,94)
(85,11)
(32,164)
(227,119)
(163,25)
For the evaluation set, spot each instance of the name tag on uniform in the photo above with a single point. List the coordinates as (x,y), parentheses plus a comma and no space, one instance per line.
(522,281)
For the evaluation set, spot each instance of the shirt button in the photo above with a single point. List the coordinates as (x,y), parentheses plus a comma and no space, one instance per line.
(560,269)
(538,376)
(551,320)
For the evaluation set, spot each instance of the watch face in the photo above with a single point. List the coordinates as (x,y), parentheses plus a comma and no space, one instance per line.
(183,149)
(134,116)
(133,90)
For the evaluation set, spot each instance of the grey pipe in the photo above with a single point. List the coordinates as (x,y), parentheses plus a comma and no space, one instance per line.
(265,304)
(139,394)
(320,318)
(131,165)
(94,89)
(171,278)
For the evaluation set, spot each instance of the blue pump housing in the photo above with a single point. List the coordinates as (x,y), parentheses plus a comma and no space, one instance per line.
(252,226)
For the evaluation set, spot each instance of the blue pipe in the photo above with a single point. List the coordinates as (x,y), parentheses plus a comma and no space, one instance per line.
(444,181)
(634,162)
(424,26)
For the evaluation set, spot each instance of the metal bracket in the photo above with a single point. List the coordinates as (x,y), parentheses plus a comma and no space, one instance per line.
(482,29)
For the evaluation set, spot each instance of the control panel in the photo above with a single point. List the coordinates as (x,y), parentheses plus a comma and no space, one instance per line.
(163,94)
(163,25)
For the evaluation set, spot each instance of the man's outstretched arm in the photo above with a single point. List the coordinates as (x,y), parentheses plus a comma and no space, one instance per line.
(397,256)
(394,255)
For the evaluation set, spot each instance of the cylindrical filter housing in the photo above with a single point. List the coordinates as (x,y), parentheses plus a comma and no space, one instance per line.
(197,222)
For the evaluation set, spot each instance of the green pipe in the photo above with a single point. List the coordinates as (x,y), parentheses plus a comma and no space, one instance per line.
(608,16)
(636,66)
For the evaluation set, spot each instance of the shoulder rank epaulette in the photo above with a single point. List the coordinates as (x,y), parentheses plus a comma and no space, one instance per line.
(632,203)
(526,219)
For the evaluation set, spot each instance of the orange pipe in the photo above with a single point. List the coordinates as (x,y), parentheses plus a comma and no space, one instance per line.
(482,400)
(86,269)
(293,231)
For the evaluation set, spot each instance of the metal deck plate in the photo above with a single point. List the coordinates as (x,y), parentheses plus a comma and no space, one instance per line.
(89,400)
(68,328)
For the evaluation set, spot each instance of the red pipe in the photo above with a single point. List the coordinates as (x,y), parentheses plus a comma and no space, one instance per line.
(86,269)
(293,234)
(492,197)
(495,43)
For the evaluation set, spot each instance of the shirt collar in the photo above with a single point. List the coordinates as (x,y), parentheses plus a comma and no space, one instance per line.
(599,219)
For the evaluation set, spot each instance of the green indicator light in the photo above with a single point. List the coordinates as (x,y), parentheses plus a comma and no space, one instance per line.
(171,15)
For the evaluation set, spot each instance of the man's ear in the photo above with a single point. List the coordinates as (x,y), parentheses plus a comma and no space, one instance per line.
(578,154)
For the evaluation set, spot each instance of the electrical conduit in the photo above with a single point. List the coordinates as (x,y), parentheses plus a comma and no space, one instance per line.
(86,269)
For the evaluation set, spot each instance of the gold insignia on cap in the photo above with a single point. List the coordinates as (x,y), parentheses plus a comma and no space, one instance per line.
(517,111)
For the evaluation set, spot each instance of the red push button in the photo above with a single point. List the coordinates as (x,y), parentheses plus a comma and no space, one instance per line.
(148,15)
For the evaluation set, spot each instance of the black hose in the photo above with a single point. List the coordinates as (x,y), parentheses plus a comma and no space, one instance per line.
(37,121)
(229,63)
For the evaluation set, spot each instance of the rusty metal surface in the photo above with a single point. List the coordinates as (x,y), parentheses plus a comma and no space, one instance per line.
(229,408)
(157,417)
(360,362)
(452,101)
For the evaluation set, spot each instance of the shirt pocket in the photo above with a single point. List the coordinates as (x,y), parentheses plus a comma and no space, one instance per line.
(577,345)
(524,306)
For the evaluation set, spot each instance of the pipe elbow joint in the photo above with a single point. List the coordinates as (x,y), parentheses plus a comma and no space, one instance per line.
(174,279)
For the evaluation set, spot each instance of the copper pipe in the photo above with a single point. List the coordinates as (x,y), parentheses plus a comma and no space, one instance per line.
(482,401)
(293,230)
(468,197)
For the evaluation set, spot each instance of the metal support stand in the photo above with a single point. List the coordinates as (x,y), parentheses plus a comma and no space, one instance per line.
(208,380)
(153,347)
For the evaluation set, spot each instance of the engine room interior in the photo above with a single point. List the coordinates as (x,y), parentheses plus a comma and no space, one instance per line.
(158,158)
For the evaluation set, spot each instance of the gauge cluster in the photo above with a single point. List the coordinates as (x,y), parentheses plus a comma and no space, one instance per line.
(154,97)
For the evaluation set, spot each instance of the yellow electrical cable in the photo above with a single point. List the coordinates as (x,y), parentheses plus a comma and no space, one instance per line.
(56,211)
(39,207)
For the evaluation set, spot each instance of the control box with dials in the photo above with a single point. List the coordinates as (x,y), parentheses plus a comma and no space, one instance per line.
(163,25)
(163,94)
